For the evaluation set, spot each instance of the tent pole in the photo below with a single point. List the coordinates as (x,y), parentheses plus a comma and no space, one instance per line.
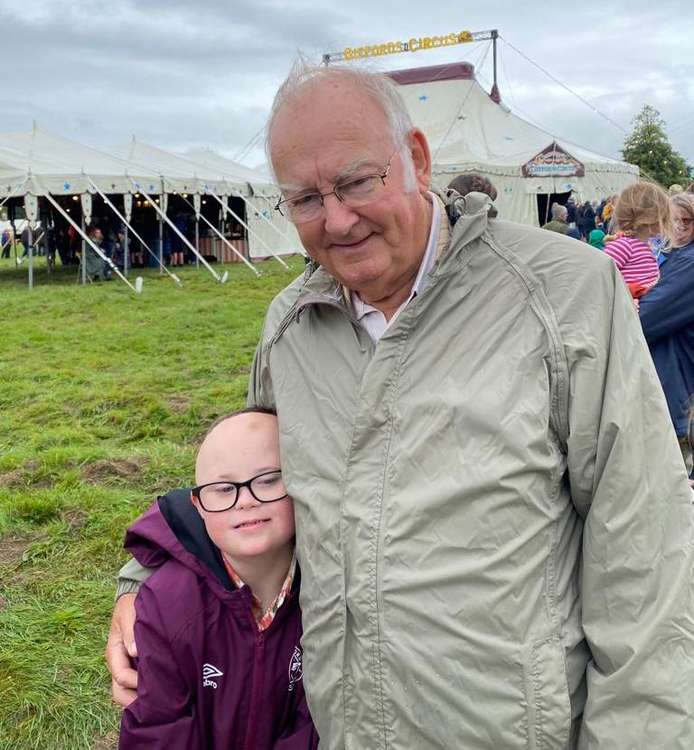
(86,239)
(126,252)
(197,242)
(129,226)
(495,36)
(248,229)
(238,254)
(161,245)
(84,253)
(221,217)
(31,255)
(14,232)
(216,276)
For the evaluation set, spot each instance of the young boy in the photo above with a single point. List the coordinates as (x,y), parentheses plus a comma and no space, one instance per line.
(218,624)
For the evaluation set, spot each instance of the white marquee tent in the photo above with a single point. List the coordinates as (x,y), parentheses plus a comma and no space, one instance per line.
(469,132)
(39,163)
(268,231)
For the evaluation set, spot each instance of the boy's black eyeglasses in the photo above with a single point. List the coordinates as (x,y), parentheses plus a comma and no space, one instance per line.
(215,497)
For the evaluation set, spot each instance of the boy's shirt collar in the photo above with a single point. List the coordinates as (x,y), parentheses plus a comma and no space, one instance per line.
(264,619)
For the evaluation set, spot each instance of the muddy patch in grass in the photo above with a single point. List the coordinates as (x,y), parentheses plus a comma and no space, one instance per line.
(12,478)
(75,518)
(17,478)
(13,547)
(116,468)
(178,404)
(107,742)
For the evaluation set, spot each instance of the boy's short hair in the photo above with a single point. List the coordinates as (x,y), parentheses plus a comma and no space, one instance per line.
(247,410)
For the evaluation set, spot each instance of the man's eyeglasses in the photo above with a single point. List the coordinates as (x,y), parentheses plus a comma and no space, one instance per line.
(215,497)
(353,192)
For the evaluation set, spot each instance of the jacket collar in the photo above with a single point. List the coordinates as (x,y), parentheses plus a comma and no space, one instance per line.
(467,221)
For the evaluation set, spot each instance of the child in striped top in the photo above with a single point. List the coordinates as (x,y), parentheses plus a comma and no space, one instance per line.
(641,214)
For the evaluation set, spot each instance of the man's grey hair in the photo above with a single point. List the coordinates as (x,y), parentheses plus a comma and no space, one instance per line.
(559,212)
(381,89)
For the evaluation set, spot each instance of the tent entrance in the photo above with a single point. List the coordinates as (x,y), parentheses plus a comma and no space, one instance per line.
(544,204)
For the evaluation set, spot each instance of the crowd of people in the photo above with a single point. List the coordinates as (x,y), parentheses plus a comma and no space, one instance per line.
(649,234)
(55,239)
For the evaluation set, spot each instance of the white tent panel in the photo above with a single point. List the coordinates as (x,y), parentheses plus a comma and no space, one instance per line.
(181,174)
(233,171)
(281,237)
(469,132)
(41,163)
(62,167)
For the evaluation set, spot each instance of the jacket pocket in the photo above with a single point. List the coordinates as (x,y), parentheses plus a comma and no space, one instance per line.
(547,694)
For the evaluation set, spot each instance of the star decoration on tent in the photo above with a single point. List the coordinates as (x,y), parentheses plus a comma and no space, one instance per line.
(113,186)
(423,98)
(151,188)
(66,186)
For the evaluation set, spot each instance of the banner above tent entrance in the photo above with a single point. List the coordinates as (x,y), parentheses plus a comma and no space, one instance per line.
(553,161)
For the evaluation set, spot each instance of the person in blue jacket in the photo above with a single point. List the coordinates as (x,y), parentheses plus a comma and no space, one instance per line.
(667,318)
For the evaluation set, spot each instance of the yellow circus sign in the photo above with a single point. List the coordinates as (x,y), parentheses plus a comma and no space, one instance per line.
(411,45)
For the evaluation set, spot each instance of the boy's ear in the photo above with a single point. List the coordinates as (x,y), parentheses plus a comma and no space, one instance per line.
(195,502)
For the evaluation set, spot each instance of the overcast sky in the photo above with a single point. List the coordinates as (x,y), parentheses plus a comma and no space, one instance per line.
(202,73)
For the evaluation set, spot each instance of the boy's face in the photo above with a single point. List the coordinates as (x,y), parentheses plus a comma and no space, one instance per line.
(237,450)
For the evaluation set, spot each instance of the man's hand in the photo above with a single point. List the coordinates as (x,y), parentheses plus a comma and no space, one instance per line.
(120,648)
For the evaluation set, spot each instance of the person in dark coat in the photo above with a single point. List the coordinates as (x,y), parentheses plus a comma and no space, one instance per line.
(571,210)
(667,319)
(586,222)
(218,624)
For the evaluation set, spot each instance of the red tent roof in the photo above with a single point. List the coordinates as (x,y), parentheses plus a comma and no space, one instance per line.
(449,72)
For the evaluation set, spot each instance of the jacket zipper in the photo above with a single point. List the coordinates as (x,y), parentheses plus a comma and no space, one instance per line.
(257,683)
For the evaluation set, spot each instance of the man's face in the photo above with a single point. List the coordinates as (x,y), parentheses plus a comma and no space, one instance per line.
(98,236)
(332,131)
(236,450)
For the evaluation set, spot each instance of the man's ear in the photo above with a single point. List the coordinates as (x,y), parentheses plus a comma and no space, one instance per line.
(421,157)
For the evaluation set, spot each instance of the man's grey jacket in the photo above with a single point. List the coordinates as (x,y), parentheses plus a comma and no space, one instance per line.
(493,521)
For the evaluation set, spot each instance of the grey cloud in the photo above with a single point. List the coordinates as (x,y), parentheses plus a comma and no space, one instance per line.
(182,73)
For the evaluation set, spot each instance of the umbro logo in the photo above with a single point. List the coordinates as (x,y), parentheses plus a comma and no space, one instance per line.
(209,671)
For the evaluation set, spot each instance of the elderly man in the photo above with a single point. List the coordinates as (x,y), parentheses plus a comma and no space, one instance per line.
(559,221)
(493,520)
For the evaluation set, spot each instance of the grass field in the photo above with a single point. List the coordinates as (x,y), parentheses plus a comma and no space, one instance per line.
(102,398)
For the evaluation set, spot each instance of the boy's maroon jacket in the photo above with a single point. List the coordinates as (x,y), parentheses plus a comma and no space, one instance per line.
(207,677)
